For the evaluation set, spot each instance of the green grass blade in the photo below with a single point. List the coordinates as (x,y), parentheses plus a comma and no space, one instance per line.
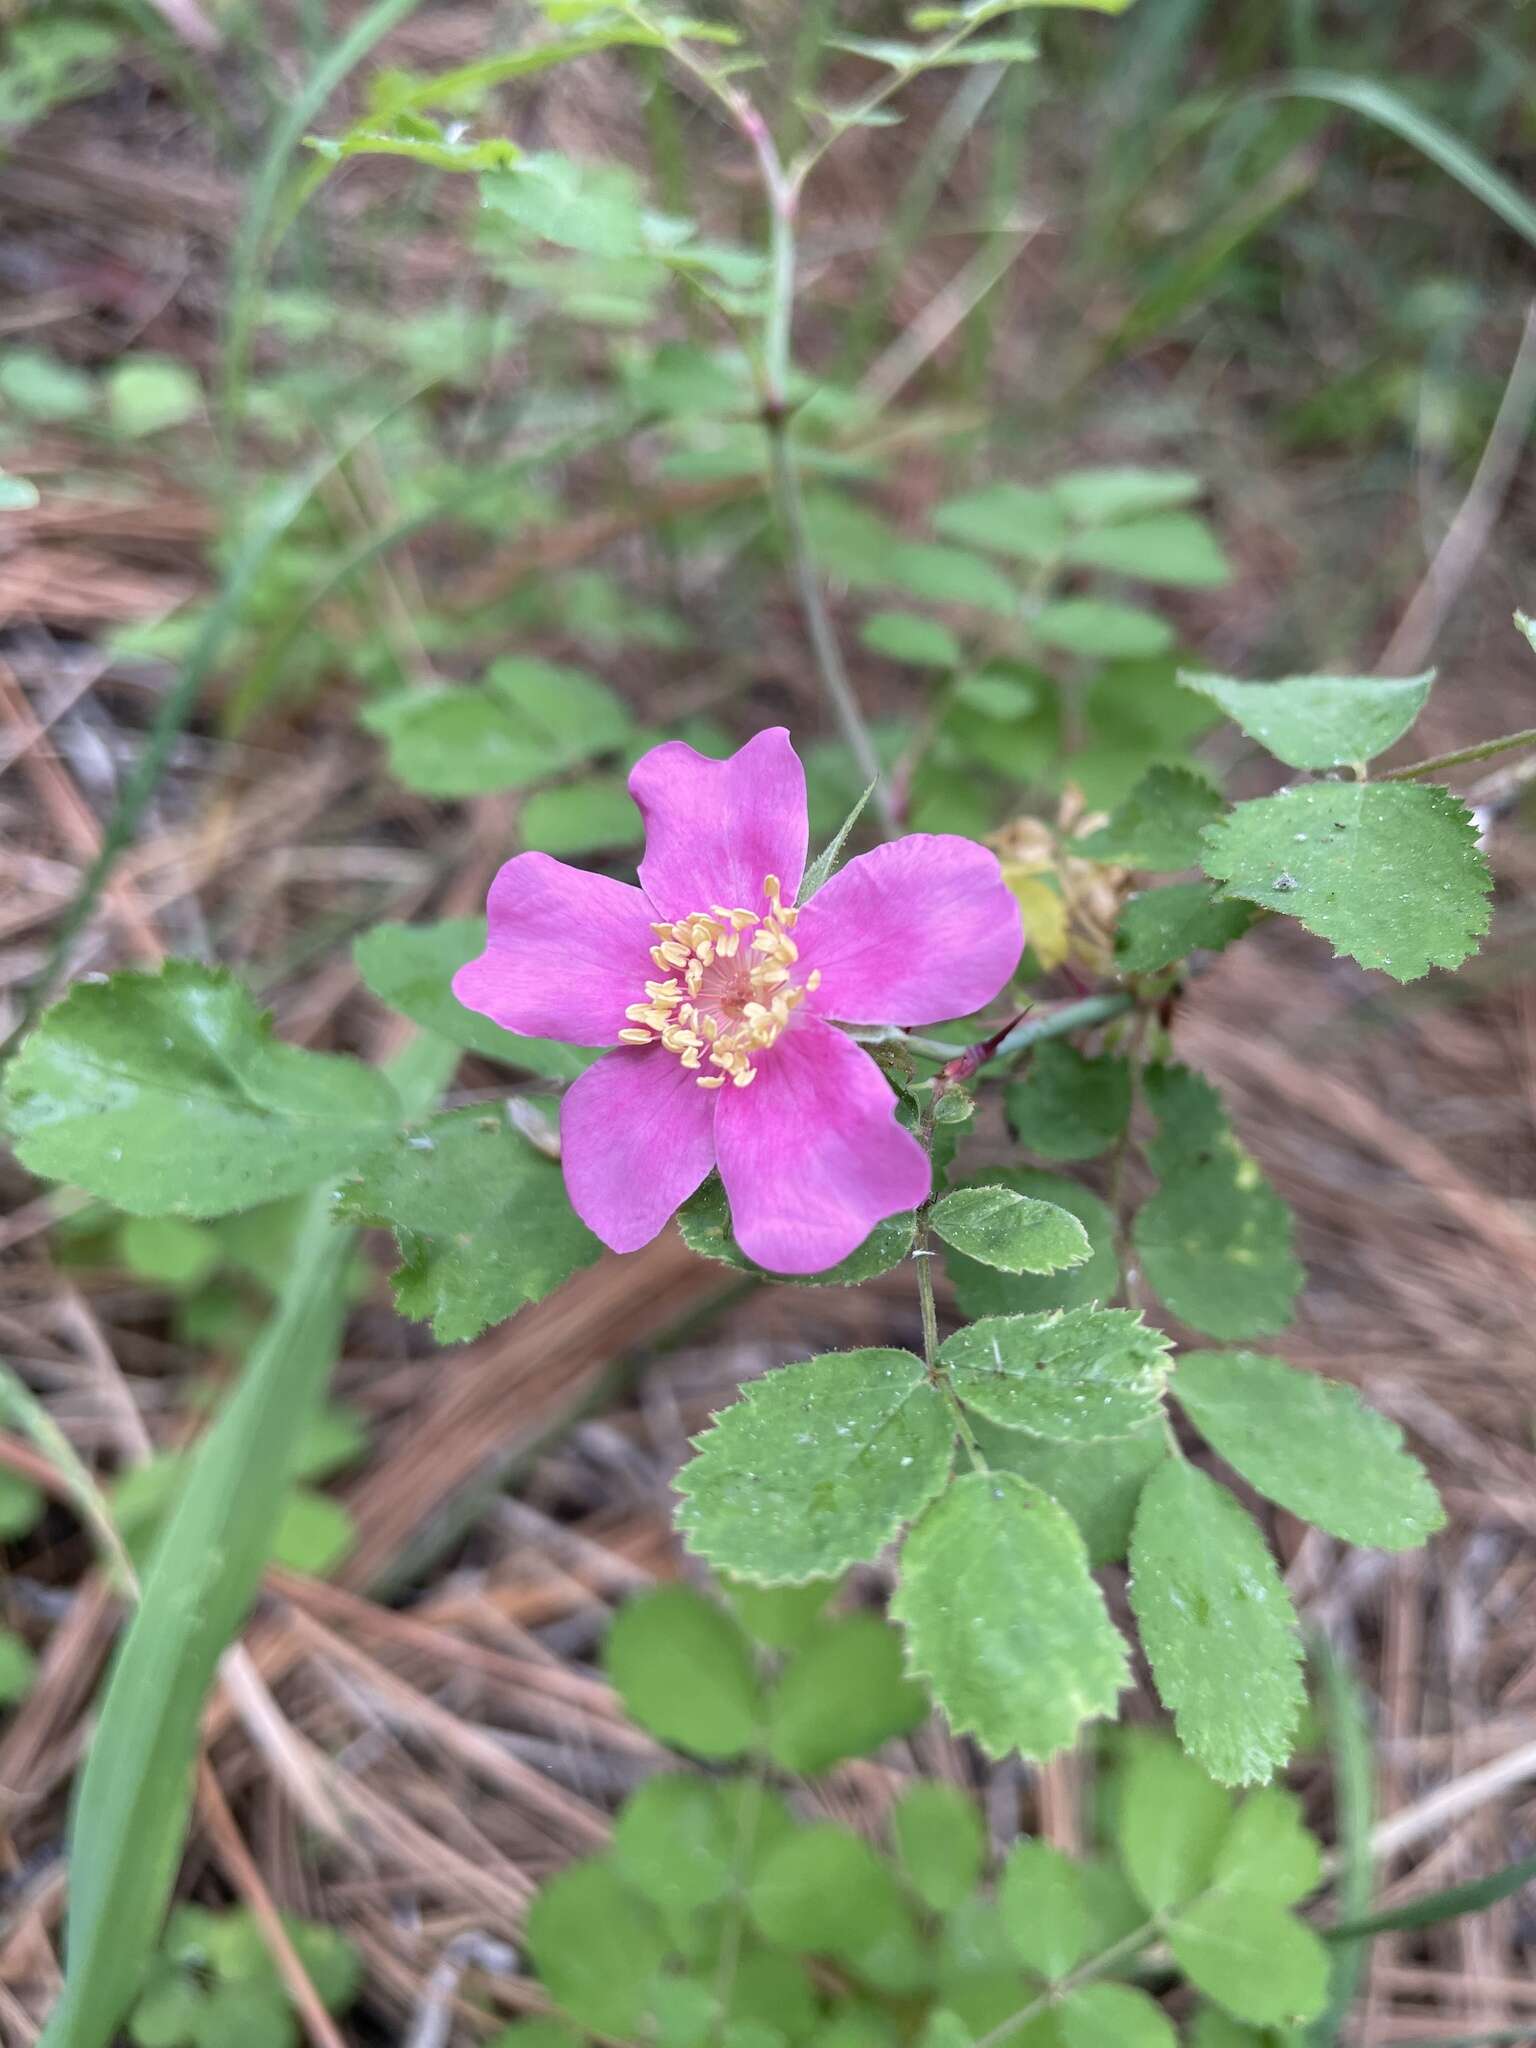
(1349,1748)
(1475,1896)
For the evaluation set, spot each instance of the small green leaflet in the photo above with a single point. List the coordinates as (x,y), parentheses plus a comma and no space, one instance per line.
(1113,2016)
(482,1221)
(1098,1484)
(1217,1625)
(1003,1619)
(1098,629)
(1268,1851)
(1159,825)
(167,1094)
(1164,925)
(1171,1821)
(1320,721)
(411,967)
(527,721)
(824,1891)
(421,140)
(783,1617)
(817,1466)
(1078,1378)
(843,1694)
(1067,1106)
(1215,1240)
(1044,1909)
(705,1223)
(684,1671)
(597,1947)
(984,1290)
(906,636)
(1015,1232)
(1388,872)
(935,574)
(595,815)
(675,1842)
(1251,1956)
(940,1842)
(1094,497)
(1007,518)
(1311,1444)
(1174,548)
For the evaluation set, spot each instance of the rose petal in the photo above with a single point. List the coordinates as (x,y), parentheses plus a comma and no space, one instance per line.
(567,953)
(714,829)
(636,1138)
(811,1154)
(912,933)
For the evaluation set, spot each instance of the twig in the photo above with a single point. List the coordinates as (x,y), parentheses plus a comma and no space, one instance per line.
(1484,750)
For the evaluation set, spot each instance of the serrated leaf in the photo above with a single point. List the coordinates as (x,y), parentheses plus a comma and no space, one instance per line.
(907,636)
(1004,1621)
(1101,630)
(1113,2016)
(1311,1444)
(1044,1909)
(411,967)
(527,721)
(482,1220)
(1171,1821)
(940,1842)
(843,1694)
(821,867)
(684,1671)
(1163,925)
(1067,1106)
(1008,518)
(705,1223)
(823,1891)
(1217,1625)
(167,1094)
(983,1290)
(1175,548)
(816,1467)
(598,1948)
(1215,1240)
(1016,1233)
(1077,1377)
(1098,1484)
(1268,1851)
(1388,872)
(1094,497)
(1160,825)
(594,815)
(1252,1957)
(1320,721)
(675,1843)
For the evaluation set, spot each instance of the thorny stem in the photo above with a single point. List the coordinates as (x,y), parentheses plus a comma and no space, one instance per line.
(1086,1973)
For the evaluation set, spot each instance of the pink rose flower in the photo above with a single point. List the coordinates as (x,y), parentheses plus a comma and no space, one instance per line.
(717,996)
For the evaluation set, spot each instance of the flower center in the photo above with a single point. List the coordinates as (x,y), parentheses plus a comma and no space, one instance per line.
(725,997)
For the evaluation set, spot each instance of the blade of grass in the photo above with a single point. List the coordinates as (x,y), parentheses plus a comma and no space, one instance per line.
(1349,1747)
(135,1792)
(1475,1896)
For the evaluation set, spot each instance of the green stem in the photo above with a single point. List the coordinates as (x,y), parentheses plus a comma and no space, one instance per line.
(1483,751)
(923,1256)
(1070,1017)
(1086,1973)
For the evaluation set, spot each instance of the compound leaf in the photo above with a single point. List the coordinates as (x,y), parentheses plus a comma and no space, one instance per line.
(684,1671)
(1015,1232)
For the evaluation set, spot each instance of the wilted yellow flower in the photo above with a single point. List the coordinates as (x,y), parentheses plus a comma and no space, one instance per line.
(1070,905)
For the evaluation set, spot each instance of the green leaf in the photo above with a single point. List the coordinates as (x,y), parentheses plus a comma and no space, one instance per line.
(1268,1851)
(245,2016)
(1098,1484)
(1432,1909)
(529,720)
(983,1290)
(168,2012)
(675,1843)
(684,1671)
(482,1220)
(1388,872)
(1159,825)
(1113,2016)
(591,816)
(314,1533)
(590,206)
(816,1467)
(168,1095)
(1077,1377)
(168,1250)
(1214,2028)
(147,393)
(1008,518)
(422,142)
(1014,1232)
(43,388)
(18,1668)
(1101,630)
(934,574)
(1217,1625)
(1044,1910)
(783,1617)
(1163,925)
(823,1891)
(816,874)
(1312,1445)
(940,1842)
(1215,1240)
(1094,497)
(1171,1821)
(597,1948)
(1069,1107)
(705,1222)
(906,636)
(1003,1619)
(334,1966)
(1320,721)
(844,1694)
(411,967)
(1251,1956)
(1176,548)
